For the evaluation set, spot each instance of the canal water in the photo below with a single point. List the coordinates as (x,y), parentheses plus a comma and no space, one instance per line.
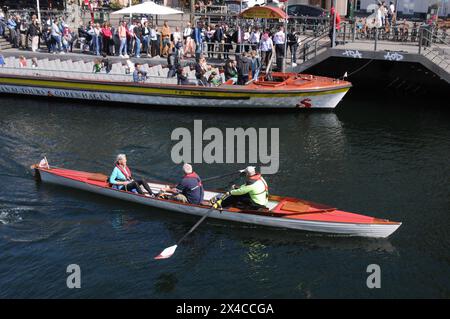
(385,158)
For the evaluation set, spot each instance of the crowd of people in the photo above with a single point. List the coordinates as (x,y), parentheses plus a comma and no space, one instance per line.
(385,25)
(142,37)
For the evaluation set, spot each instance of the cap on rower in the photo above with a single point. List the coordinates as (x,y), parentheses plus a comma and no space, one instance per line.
(187,168)
(250,170)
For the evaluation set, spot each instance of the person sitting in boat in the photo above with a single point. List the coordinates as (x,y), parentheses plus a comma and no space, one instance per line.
(129,66)
(230,71)
(190,189)
(172,63)
(201,67)
(182,78)
(122,179)
(97,67)
(254,194)
(139,75)
(214,80)
(22,62)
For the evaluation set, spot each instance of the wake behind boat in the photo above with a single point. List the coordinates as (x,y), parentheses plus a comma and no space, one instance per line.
(76,80)
(281,212)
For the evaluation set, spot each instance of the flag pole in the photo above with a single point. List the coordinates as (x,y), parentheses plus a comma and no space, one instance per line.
(334,25)
(38,10)
(129,6)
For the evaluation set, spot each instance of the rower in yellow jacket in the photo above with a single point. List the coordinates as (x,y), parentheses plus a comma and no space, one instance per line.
(254,194)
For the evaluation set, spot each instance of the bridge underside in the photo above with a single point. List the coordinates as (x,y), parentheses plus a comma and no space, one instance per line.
(372,75)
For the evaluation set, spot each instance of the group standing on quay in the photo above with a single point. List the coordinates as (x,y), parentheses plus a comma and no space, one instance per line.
(142,38)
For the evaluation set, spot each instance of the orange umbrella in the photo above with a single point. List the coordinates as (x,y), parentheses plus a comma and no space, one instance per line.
(263,12)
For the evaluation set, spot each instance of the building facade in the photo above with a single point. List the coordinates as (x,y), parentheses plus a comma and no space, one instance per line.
(341,5)
(24,4)
(417,8)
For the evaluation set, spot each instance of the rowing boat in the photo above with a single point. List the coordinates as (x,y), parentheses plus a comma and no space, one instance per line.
(282,212)
(75,80)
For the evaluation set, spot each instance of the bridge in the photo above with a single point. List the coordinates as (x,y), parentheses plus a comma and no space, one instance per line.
(422,46)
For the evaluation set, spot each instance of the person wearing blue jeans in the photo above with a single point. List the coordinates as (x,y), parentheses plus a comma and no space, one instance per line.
(138,33)
(96,41)
(123,47)
(122,33)
(197,35)
(56,36)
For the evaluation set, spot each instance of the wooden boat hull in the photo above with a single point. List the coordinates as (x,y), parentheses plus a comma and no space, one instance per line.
(374,228)
(226,96)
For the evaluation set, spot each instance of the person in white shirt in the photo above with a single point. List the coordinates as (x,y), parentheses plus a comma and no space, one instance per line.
(178,42)
(154,49)
(391,12)
(279,40)
(188,41)
(56,36)
(266,47)
(255,36)
(379,17)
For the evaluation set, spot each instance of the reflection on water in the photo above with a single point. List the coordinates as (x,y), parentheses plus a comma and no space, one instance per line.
(165,283)
(256,252)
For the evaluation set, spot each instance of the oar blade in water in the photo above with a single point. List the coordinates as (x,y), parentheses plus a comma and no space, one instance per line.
(167,253)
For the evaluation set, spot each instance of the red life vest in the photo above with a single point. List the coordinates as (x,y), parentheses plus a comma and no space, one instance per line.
(257,177)
(126,172)
(195,176)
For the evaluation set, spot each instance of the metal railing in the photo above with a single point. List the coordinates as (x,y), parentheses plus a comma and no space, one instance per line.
(431,46)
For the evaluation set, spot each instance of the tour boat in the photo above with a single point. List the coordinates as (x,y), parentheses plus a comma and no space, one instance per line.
(75,80)
(282,212)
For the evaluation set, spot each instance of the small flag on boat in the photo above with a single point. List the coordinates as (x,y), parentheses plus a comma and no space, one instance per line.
(345,75)
(44,163)
(167,253)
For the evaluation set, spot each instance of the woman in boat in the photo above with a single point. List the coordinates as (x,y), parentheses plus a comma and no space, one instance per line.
(122,179)
(201,67)
(182,78)
(230,71)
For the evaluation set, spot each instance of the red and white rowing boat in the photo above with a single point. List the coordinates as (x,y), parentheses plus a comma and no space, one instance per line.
(282,212)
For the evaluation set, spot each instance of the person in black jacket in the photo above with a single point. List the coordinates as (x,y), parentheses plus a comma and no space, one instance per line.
(34,31)
(243,67)
(219,40)
(138,35)
(173,63)
(182,78)
(228,37)
(293,39)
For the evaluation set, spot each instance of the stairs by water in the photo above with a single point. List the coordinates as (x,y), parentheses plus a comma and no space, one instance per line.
(4,44)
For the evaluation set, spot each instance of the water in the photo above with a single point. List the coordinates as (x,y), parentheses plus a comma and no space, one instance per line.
(380,158)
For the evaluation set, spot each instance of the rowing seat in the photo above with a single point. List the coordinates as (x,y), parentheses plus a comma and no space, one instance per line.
(99,179)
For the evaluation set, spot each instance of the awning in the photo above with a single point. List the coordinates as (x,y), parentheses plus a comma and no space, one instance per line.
(149,8)
(265,12)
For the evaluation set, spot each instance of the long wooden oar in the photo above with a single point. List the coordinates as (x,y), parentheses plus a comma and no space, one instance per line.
(221,176)
(169,251)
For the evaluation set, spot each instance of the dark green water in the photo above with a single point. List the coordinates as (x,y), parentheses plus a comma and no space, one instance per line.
(387,159)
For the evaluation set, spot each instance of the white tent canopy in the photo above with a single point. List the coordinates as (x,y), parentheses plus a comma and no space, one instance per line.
(149,8)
